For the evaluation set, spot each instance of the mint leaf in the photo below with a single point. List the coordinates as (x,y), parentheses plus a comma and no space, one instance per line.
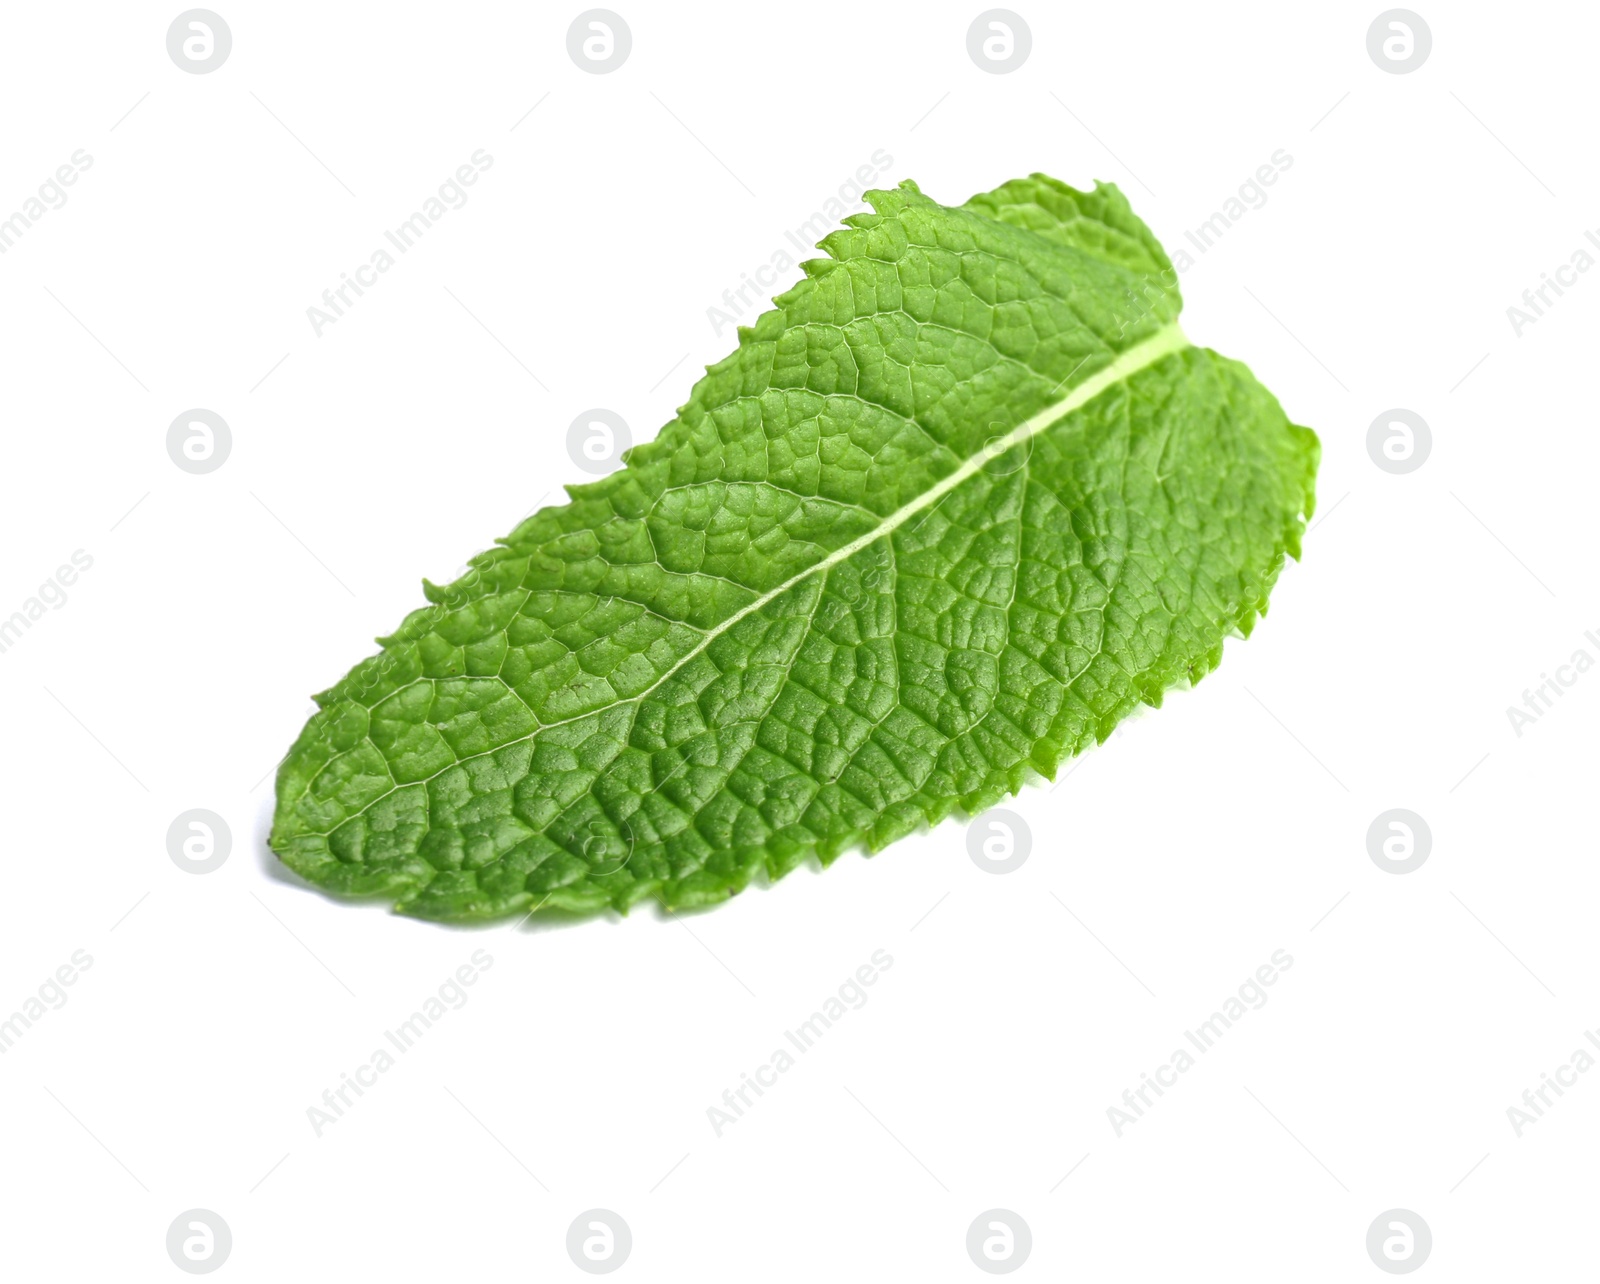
(956,506)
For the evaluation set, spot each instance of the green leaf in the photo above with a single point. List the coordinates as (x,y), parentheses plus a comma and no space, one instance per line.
(954,508)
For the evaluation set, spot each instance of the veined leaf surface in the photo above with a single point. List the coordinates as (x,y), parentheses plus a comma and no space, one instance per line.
(954,508)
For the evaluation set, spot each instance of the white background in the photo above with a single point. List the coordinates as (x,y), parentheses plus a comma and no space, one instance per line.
(1164,869)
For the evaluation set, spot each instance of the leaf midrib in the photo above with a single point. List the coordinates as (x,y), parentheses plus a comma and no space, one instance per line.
(1169,339)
